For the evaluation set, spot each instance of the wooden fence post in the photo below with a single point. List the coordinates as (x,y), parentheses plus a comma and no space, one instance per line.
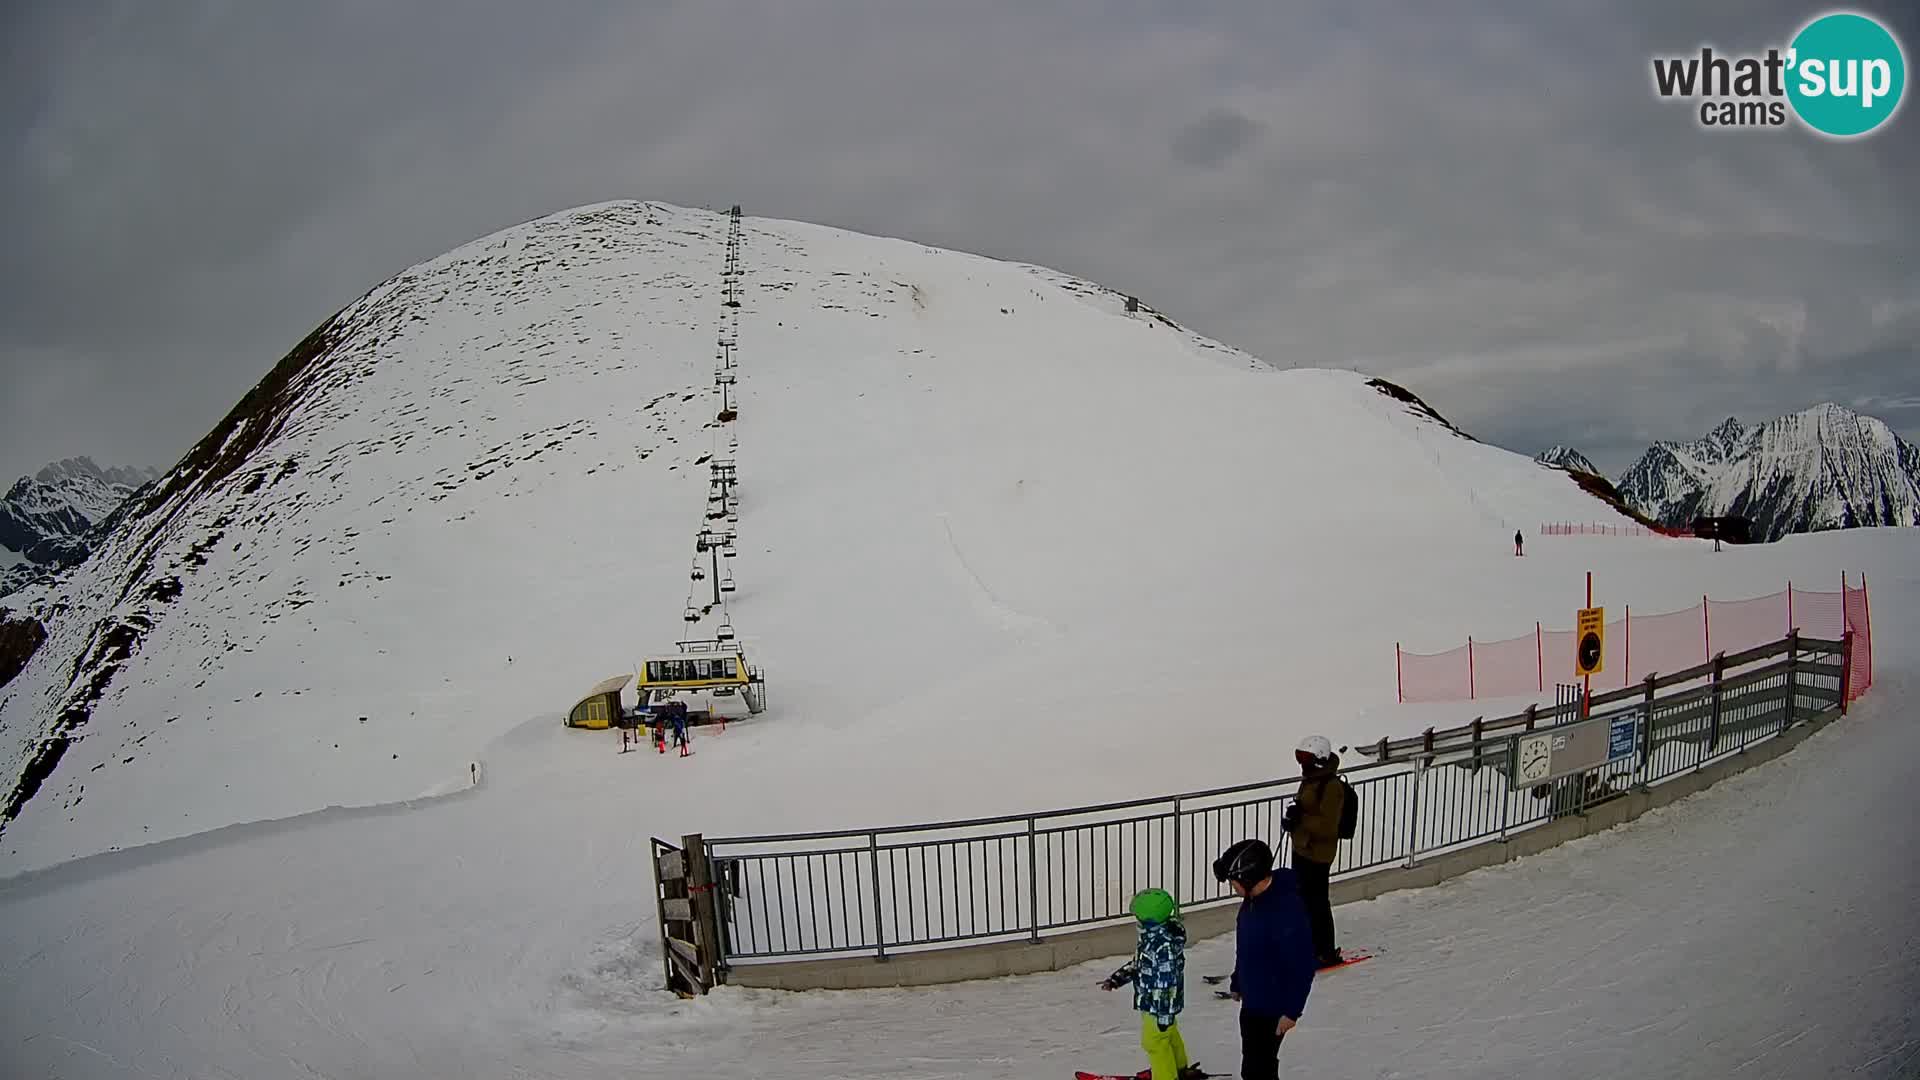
(706,924)
(662,887)
(679,923)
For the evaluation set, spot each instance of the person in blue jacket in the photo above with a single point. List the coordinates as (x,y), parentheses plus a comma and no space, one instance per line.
(1273,961)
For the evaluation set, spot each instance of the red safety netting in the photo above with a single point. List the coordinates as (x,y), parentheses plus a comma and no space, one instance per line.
(1617,673)
(1506,668)
(1673,641)
(1859,617)
(1818,614)
(1579,528)
(1738,625)
(1437,677)
(1642,645)
(1556,656)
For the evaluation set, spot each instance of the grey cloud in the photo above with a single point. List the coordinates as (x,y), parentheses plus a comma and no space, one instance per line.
(1211,140)
(1486,203)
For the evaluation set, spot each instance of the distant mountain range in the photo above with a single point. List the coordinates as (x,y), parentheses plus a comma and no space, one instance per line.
(1566,457)
(48,520)
(1827,467)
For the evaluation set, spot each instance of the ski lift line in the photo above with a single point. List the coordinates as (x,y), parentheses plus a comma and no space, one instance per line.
(711,540)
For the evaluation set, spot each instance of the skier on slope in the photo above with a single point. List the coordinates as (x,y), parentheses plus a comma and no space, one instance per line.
(680,727)
(1313,822)
(1272,954)
(1517,538)
(1158,974)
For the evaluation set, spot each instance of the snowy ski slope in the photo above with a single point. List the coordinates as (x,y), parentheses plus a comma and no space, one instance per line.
(1004,547)
(1760,929)
(978,499)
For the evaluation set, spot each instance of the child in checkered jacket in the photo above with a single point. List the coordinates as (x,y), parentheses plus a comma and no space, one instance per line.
(1158,973)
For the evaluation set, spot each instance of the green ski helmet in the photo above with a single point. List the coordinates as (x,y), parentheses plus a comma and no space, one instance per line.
(1154,906)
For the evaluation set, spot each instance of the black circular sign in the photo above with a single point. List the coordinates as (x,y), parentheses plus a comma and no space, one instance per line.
(1589,651)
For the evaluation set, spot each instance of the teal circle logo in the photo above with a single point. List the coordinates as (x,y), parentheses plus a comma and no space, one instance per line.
(1846,75)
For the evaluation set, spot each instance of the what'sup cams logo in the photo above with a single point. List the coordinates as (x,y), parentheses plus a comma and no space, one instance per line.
(1842,75)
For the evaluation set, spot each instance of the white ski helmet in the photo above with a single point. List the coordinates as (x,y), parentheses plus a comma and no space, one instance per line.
(1317,746)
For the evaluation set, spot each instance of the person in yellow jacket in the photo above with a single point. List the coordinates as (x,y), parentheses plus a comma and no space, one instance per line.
(1313,823)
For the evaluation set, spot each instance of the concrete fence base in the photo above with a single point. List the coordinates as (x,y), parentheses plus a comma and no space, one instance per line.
(1058,951)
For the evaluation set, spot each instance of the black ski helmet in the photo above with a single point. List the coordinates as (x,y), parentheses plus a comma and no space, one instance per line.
(1247,862)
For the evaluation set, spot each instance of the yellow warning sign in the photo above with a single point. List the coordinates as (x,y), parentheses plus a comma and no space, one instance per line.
(1590,641)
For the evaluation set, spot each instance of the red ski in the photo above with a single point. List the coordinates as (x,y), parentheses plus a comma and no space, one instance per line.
(1192,1072)
(1347,960)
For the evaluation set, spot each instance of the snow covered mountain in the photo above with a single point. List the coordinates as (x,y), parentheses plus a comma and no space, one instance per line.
(45,518)
(1005,545)
(1566,457)
(972,494)
(1823,468)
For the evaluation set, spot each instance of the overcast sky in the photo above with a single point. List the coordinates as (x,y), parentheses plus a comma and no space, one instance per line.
(1483,201)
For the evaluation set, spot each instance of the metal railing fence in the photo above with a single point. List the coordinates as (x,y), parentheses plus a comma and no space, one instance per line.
(903,888)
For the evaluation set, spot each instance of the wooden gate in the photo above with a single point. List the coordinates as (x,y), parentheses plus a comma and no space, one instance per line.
(689,928)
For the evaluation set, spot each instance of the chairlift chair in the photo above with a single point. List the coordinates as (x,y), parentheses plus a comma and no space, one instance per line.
(726,583)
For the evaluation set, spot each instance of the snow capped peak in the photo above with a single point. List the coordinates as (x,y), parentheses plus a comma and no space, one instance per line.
(1823,467)
(45,518)
(84,468)
(1566,457)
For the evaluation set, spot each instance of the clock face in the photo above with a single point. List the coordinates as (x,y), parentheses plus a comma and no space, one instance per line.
(1536,757)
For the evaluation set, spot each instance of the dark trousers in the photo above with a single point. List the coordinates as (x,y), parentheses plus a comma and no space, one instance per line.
(1313,889)
(1259,1046)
